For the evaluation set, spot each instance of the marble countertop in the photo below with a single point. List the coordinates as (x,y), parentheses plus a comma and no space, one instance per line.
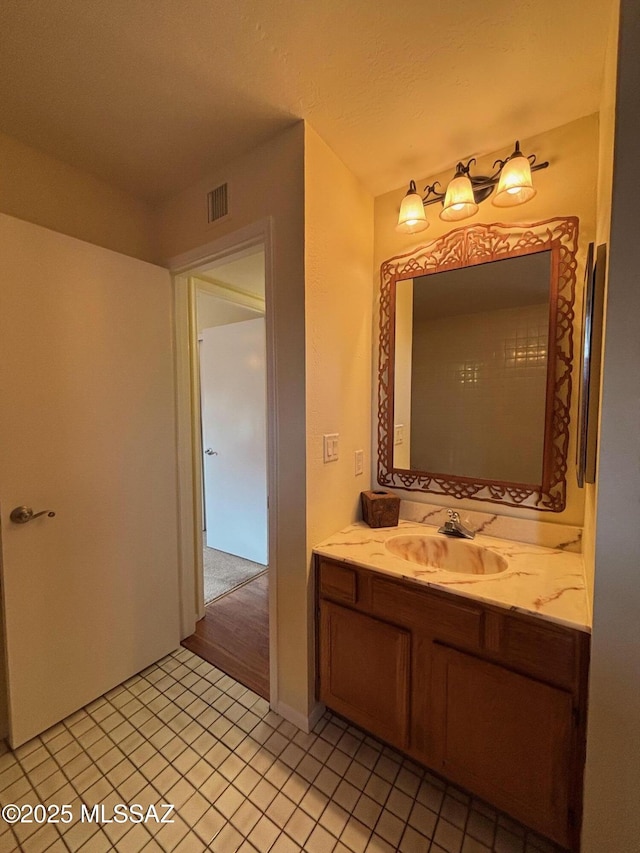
(546,582)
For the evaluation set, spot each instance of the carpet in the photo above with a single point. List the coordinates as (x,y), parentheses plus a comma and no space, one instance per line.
(224,572)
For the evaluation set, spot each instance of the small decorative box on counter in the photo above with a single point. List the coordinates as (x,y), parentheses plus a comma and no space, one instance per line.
(380,508)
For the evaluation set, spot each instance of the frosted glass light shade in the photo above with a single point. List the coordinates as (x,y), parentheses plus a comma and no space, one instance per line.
(515,185)
(459,202)
(412,217)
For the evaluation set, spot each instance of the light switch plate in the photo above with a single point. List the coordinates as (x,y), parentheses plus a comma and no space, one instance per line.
(330,447)
(398,434)
(359,462)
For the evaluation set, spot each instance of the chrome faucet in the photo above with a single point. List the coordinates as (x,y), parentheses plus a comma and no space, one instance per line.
(454,527)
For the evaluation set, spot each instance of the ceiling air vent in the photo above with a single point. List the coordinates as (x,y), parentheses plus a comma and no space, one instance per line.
(218,203)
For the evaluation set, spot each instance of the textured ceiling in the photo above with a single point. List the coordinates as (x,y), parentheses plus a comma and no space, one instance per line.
(150,95)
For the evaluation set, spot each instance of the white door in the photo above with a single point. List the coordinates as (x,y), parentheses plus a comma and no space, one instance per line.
(86,431)
(233,388)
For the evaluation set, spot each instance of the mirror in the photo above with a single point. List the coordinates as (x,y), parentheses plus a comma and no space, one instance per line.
(590,366)
(475,364)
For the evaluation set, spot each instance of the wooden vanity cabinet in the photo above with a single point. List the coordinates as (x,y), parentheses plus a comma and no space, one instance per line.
(492,700)
(364,671)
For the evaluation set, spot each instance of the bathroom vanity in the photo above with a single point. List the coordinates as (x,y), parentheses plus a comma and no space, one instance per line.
(472,658)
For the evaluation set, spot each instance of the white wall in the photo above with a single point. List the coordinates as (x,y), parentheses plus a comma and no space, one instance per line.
(213,311)
(338,305)
(603,224)
(612,817)
(40,189)
(268,183)
(338,257)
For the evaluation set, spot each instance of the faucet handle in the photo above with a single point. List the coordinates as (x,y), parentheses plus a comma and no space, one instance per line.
(454,516)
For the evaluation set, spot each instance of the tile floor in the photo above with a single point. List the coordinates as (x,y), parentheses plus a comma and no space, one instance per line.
(241,779)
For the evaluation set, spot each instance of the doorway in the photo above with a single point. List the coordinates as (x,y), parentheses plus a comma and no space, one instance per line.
(232,378)
(228,320)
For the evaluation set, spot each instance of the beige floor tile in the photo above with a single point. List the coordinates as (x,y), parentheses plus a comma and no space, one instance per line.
(390,827)
(284,844)
(295,787)
(448,836)
(358,775)
(355,835)
(346,795)
(320,841)
(228,840)
(299,826)
(246,780)
(454,811)
(470,845)
(276,789)
(413,842)
(263,794)
(314,802)
(278,773)
(180,793)
(215,785)
(379,845)
(229,801)
(98,843)
(190,844)
(423,820)
(367,811)
(193,809)
(280,810)
(79,833)
(132,786)
(334,818)
(264,834)
(209,824)
(246,817)
(430,796)
(480,828)
(170,834)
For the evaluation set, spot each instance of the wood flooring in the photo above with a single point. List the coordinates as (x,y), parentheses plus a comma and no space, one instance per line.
(234,635)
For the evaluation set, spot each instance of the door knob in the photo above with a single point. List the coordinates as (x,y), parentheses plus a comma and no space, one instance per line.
(22,514)
(210,452)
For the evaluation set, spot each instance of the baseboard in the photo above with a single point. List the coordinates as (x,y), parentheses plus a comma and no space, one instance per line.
(302,721)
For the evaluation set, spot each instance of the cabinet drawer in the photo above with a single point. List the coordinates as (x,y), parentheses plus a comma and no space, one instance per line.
(547,652)
(427,613)
(337,582)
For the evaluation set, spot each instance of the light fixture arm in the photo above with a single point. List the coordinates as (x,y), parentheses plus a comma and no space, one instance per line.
(483,185)
(518,153)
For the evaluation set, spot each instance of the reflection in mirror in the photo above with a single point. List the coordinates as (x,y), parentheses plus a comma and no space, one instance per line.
(475,361)
(472,344)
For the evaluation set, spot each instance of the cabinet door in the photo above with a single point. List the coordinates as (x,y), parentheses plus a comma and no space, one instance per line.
(504,736)
(364,671)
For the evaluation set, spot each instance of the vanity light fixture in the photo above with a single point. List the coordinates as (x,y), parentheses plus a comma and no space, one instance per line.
(465,191)
(515,185)
(412,217)
(459,200)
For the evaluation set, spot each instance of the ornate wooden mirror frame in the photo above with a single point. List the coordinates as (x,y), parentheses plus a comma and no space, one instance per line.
(463,247)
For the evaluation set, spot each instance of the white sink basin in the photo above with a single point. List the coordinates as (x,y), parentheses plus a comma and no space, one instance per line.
(451,555)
